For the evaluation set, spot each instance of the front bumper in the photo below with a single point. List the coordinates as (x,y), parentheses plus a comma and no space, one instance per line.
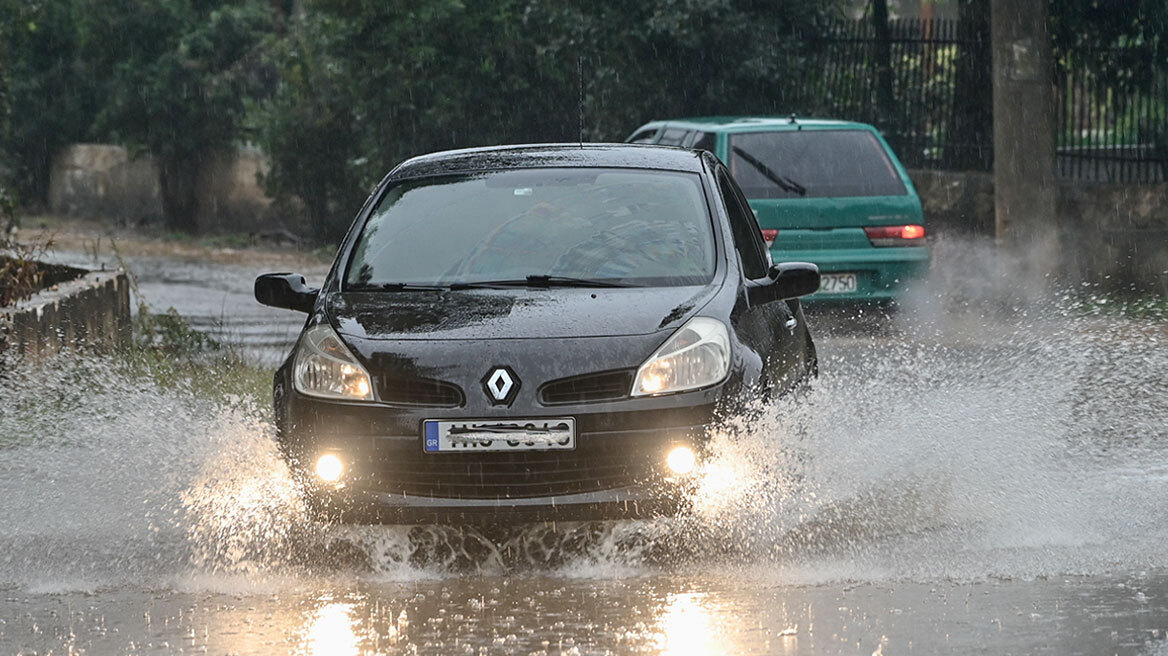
(368,506)
(617,470)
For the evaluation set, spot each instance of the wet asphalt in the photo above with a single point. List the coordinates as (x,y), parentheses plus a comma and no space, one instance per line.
(962,484)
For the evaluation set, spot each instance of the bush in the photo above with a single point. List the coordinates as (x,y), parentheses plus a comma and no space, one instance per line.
(21,273)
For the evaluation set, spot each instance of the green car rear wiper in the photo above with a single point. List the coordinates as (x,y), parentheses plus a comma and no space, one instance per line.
(784,183)
(539,281)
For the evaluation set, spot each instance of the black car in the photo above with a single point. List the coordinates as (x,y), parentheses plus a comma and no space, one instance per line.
(534,333)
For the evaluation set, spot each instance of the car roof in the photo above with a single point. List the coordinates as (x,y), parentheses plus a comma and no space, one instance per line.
(757,123)
(496,158)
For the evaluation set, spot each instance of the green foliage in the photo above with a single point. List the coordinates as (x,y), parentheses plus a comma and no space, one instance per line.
(1126,41)
(693,57)
(21,272)
(364,84)
(169,333)
(51,98)
(307,126)
(176,76)
(426,76)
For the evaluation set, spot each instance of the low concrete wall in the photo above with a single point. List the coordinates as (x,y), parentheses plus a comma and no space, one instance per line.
(89,312)
(100,181)
(1112,234)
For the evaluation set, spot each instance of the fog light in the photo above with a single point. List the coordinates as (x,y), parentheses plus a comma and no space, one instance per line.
(681,460)
(329,468)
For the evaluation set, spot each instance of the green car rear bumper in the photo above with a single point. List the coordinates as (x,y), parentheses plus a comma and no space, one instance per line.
(882,274)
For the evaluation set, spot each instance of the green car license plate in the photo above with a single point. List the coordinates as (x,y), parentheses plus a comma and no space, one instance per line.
(837,283)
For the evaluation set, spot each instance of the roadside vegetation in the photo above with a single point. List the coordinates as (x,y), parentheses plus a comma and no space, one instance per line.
(168,351)
(21,274)
(178,358)
(1130,306)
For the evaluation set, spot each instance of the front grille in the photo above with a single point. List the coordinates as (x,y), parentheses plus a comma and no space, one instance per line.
(606,386)
(492,475)
(428,392)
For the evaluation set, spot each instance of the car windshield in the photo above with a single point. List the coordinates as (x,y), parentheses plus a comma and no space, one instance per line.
(634,227)
(813,164)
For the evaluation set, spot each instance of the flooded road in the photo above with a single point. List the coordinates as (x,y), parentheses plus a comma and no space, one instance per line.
(957,482)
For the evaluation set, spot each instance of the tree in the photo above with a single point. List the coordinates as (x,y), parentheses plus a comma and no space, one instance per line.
(308,127)
(52,101)
(6,210)
(177,75)
(644,60)
(367,83)
(427,76)
(1125,41)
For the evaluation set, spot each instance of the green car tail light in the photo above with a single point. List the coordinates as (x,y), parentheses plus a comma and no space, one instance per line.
(896,235)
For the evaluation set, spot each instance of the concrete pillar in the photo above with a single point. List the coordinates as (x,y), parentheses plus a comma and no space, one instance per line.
(1025,190)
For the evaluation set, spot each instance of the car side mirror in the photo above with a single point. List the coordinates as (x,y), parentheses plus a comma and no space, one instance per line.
(795,279)
(285,290)
(785,281)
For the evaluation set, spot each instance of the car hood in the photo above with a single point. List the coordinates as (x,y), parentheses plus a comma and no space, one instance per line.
(510,314)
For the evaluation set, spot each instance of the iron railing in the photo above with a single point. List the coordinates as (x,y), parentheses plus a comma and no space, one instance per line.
(1110,127)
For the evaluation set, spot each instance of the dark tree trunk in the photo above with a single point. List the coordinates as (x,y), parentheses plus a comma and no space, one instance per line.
(177,181)
(882,58)
(317,203)
(971,124)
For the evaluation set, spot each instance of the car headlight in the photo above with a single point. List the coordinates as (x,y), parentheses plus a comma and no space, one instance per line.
(696,356)
(325,368)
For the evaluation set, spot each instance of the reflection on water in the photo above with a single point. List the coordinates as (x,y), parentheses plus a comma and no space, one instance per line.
(686,628)
(331,631)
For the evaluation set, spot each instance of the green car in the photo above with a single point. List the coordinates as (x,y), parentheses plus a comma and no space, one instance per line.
(828,192)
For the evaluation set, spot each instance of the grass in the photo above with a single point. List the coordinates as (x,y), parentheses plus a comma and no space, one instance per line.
(177,357)
(167,350)
(1137,306)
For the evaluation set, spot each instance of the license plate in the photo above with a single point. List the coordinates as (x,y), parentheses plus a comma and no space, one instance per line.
(837,283)
(547,434)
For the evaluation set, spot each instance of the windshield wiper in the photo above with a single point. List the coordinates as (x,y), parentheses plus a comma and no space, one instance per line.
(784,183)
(396,287)
(539,281)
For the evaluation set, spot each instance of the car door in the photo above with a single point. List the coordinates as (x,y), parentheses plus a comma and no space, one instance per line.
(769,329)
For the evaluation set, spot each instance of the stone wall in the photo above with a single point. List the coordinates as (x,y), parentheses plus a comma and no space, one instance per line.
(956,203)
(96,181)
(89,312)
(230,196)
(99,181)
(1112,234)
(1116,234)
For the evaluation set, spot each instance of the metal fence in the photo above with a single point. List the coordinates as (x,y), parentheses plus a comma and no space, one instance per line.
(921,122)
(1110,128)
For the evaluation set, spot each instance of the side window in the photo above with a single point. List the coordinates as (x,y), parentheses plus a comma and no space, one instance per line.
(703,141)
(747,237)
(643,136)
(672,137)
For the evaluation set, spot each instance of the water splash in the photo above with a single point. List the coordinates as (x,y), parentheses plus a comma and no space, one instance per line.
(977,433)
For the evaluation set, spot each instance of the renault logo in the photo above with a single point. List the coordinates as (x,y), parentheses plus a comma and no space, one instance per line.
(501,384)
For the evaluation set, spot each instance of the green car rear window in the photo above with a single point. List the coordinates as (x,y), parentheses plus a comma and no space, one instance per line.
(813,164)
